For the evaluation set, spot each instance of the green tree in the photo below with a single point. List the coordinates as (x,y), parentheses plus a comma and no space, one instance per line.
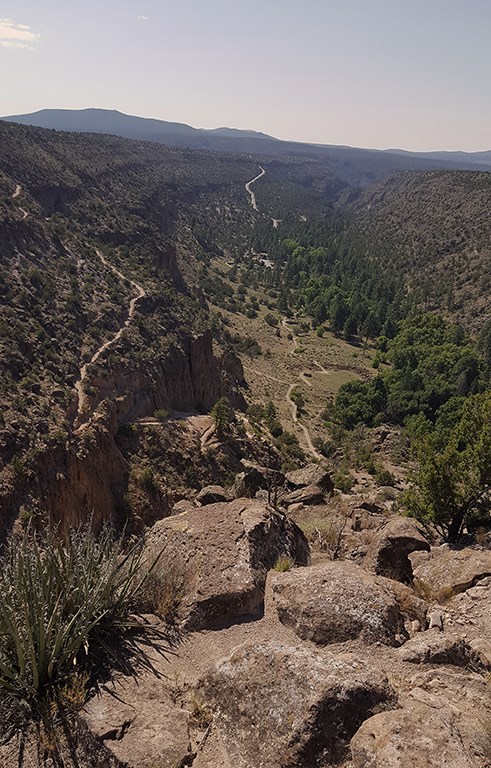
(453,483)
(221,414)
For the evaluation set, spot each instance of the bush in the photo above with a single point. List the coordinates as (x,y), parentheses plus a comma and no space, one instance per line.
(283,564)
(65,605)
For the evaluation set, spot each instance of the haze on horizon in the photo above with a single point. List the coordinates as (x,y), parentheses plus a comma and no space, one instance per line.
(381,74)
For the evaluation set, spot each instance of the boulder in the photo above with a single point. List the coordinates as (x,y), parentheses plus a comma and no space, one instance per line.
(312,474)
(337,601)
(225,551)
(182,506)
(413,608)
(449,571)
(281,706)
(418,737)
(139,724)
(255,478)
(212,494)
(388,552)
(309,495)
(435,647)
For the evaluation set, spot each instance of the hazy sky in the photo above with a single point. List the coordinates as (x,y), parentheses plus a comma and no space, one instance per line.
(414,74)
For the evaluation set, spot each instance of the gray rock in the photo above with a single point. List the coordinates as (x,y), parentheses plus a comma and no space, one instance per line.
(435,619)
(212,494)
(435,647)
(337,601)
(312,474)
(139,724)
(452,571)
(280,705)
(225,551)
(309,495)
(388,553)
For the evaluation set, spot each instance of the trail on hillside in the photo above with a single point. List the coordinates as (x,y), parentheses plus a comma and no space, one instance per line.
(16,194)
(249,190)
(276,222)
(131,311)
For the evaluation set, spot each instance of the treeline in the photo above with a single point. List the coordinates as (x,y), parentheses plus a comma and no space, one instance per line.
(433,366)
(326,271)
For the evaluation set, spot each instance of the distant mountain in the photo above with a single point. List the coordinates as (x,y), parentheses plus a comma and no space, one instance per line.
(142,128)
(355,166)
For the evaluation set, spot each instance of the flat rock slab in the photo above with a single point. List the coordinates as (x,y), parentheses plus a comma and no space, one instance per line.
(139,724)
(312,474)
(388,552)
(212,494)
(309,495)
(453,571)
(435,647)
(225,551)
(282,706)
(337,601)
(419,737)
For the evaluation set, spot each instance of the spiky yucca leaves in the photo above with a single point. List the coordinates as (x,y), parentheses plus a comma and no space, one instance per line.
(65,603)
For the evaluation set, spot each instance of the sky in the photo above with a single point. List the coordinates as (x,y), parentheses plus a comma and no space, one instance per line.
(412,74)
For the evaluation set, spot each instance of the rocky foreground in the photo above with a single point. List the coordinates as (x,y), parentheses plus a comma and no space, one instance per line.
(379,663)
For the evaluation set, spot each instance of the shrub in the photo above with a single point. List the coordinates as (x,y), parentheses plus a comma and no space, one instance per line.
(65,605)
(283,564)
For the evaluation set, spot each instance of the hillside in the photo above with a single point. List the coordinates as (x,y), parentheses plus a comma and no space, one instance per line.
(351,164)
(435,228)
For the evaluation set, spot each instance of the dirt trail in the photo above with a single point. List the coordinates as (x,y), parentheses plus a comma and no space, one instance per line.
(16,194)
(131,311)
(291,403)
(249,190)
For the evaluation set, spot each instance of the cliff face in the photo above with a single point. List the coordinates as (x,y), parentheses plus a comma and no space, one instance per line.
(88,478)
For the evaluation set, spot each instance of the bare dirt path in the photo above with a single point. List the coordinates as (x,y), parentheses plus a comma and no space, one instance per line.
(297,423)
(131,311)
(16,194)
(249,190)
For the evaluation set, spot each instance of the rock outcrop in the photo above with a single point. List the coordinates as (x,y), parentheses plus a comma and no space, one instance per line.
(308,495)
(389,550)
(337,601)
(225,551)
(212,494)
(312,474)
(137,721)
(282,706)
(451,571)
(444,721)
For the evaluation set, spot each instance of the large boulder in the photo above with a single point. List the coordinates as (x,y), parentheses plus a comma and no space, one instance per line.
(224,552)
(255,478)
(449,571)
(212,494)
(312,474)
(419,737)
(388,552)
(308,495)
(337,601)
(280,706)
(435,647)
(444,721)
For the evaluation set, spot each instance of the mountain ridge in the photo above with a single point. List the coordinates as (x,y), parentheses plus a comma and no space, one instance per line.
(375,162)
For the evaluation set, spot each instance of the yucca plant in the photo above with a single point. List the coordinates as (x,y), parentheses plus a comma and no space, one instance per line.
(65,603)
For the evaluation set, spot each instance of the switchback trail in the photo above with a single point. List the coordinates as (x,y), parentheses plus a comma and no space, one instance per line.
(249,190)
(16,194)
(131,311)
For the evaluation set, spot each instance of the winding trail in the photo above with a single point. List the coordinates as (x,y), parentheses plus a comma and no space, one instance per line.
(131,311)
(249,190)
(16,194)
